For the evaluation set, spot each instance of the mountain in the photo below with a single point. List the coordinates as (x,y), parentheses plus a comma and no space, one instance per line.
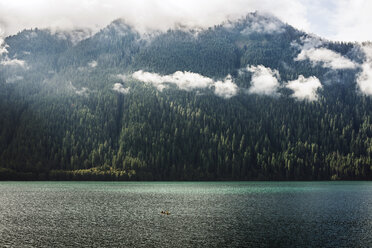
(251,99)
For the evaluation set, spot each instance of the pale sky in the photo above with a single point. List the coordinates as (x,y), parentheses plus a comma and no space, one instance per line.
(344,20)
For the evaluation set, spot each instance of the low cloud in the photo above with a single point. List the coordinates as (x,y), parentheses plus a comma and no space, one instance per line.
(188,81)
(305,88)
(14,62)
(92,64)
(158,81)
(311,50)
(143,14)
(84,91)
(339,20)
(264,80)
(264,24)
(364,78)
(75,35)
(184,80)
(119,27)
(308,42)
(3,47)
(226,88)
(327,58)
(118,87)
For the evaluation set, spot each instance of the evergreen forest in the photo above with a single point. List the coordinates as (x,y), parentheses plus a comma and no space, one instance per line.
(72,110)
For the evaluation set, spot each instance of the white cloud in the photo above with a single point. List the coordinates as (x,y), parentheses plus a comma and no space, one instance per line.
(75,35)
(351,20)
(143,14)
(226,88)
(267,25)
(264,80)
(153,78)
(304,88)
(118,87)
(364,78)
(184,80)
(3,46)
(13,62)
(311,49)
(308,42)
(188,81)
(92,64)
(346,20)
(327,58)
(340,20)
(84,91)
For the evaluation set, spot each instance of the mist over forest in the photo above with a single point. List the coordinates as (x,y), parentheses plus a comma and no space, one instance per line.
(247,99)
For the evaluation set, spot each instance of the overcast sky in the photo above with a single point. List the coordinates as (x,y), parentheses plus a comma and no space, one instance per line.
(346,20)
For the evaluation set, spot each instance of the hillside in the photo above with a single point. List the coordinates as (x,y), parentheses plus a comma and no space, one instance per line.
(253,99)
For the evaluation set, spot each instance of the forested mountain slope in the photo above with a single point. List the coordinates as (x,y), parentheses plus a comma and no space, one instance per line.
(245,100)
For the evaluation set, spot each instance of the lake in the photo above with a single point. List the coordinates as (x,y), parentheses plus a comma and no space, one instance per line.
(202,214)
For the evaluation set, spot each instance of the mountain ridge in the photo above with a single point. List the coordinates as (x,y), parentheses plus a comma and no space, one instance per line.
(253,99)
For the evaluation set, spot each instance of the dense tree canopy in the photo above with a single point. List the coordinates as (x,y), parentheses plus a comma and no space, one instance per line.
(62,120)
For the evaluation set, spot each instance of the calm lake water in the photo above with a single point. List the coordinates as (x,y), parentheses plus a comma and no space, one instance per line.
(208,214)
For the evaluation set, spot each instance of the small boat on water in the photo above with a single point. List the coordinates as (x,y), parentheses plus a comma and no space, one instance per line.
(165,212)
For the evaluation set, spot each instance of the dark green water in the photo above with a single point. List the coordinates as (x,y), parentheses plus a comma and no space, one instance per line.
(211,214)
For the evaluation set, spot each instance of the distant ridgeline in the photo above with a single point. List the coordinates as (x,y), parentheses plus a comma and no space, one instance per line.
(252,99)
